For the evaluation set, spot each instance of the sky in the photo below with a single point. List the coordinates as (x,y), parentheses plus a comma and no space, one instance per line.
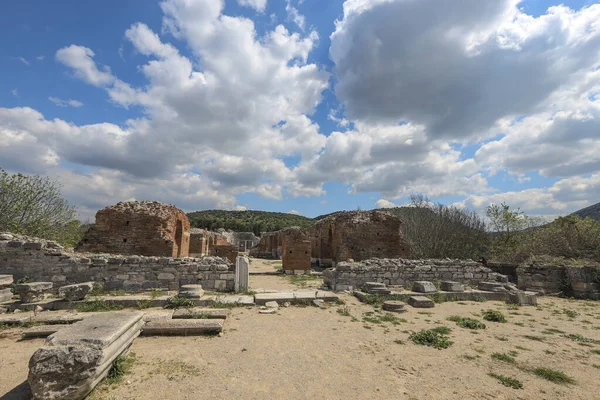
(305,106)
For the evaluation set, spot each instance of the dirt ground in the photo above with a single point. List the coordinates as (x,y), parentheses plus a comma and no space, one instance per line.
(308,353)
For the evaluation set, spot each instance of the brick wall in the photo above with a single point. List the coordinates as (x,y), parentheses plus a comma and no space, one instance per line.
(295,249)
(398,271)
(40,260)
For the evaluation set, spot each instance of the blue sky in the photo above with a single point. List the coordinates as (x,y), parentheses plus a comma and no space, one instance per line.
(305,106)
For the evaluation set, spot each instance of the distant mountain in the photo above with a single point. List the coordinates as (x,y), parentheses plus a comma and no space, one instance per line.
(246,221)
(592,211)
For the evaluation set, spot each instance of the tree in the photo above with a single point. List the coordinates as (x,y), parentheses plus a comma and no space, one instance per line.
(32,205)
(506,222)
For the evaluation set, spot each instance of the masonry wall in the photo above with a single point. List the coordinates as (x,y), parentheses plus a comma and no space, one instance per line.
(41,260)
(198,243)
(398,271)
(581,281)
(296,249)
(267,246)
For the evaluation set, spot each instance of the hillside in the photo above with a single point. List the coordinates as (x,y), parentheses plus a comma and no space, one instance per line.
(246,221)
(592,211)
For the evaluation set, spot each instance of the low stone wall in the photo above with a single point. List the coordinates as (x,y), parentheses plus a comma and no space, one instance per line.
(581,281)
(507,269)
(41,260)
(398,271)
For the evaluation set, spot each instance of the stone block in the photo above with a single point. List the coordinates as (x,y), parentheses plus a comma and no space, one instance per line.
(393,305)
(76,292)
(220,284)
(33,246)
(33,292)
(242,265)
(5,281)
(450,286)
(200,313)
(53,318)
(191,291)
(5,295)
(166,276)
(183,327)
(42,331)
(522,298)
(423,287)
(420,302)
(75,359)
(491,286)
(262,298)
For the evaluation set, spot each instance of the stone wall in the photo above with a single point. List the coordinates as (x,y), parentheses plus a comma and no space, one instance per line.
(398,271)
(41,260)
(149,228)
(295,250)
(507,269)
(581,281)
(268,246)
(198,243)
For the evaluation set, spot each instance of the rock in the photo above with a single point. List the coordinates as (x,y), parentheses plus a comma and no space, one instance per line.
(5,281)
(491,286)
(5,295)
(393,305)
(372,285)
(268,311)
(449,286)
(287,304)
(522,298)
(75,359)
(41,331)
(76,292)
(272,304)
(424,287)
(191,291)
(420,302)
(511,287)
(6,236)
(200,313)
(33,292)
(183,327)
(319,303)
(53,318)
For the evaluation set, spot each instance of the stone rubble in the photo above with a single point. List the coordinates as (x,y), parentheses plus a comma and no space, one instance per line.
(33,291)
(75,292)
(424,287)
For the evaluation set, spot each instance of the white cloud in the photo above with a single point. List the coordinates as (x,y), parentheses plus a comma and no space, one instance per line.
(294,15)
(258,5)
(80,59)
(23,60)
(383,203)
(294,212)
(15,92)
(40,58)
(65,103)
(240,208)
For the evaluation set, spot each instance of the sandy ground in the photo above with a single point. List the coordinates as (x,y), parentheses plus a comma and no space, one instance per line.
(308,353)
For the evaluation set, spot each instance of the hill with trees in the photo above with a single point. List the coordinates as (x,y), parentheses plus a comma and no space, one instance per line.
(246,221)
(592,212)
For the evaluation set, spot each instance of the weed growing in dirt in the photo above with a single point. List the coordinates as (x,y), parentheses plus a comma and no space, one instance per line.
(155,293)
(494,316)
(551,331)
(534,338)
(431,339)
(468,323)
(570,313)
(120,367)
(399,341)
(507,381)
(179,302)
(97,306)
(143,304)
(503,357)
(596,351)
(576,337)
(553,375)
(442,330)
(344,311)
(479,298)
(502,338)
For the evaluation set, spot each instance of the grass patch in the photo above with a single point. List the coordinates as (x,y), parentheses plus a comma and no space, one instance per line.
(344,311)
(399,341)
(479,298)
(534,338)
(576,337)
(302,280)
(507,381)
(503,357)
(175,370)
(179,302)
(502,338)
(120,367)
(431,339)
(97,306)
(494,316)
(553,375)
(522,348)
(143,304)
(387,317)
(442,330)
(551,331)
(438,297)
(155,293)
(570,313)
(468,323)
(549,352)
(596,351)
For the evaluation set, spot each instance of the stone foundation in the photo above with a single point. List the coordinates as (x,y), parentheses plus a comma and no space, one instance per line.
(39,260)
(398,271)
(579,281)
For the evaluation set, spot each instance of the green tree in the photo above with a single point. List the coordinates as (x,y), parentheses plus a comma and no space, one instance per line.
(32,205)
(506,222)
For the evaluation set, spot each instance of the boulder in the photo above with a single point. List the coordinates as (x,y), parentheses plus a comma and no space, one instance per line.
(76,292)
(393,305)
(5,295)
(5,281)
(423,287)
(191,291)
(76,358)
(33,291)
(421,302)
(449,286)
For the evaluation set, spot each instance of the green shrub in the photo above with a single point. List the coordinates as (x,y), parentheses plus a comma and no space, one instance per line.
(553,375)
(442,330)
(503,357)
(507,381)
(179,302)
(97,306)
(494,316)
(430,338)
(120,367)
(465,322)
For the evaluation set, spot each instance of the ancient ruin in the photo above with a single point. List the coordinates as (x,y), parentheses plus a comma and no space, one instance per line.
(148,228)
(296,249)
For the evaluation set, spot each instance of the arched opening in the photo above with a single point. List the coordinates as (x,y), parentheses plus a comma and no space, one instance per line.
(178,238)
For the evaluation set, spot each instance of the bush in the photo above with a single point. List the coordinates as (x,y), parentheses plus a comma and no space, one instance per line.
(507,381)
(430,338)
(468,323)
(553,375)
(97,306)
(179,302)
(494,316)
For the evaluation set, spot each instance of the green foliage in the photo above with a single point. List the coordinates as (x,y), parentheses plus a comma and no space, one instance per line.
(465,322)
(179,302)
(247,221)
(97,306)
(143,304)
(576,337)
(507,381)
(120,367)
(553,375)
(494,316)
(431,338)
(534,338)
(344,311)
(503,357)
(442,330)
(32,205)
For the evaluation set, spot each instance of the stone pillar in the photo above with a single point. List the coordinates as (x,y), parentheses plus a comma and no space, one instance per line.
(241,273)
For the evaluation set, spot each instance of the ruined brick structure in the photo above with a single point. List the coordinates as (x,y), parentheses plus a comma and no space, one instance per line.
(296,248)
(356,235)
(198,243)
(148,228)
